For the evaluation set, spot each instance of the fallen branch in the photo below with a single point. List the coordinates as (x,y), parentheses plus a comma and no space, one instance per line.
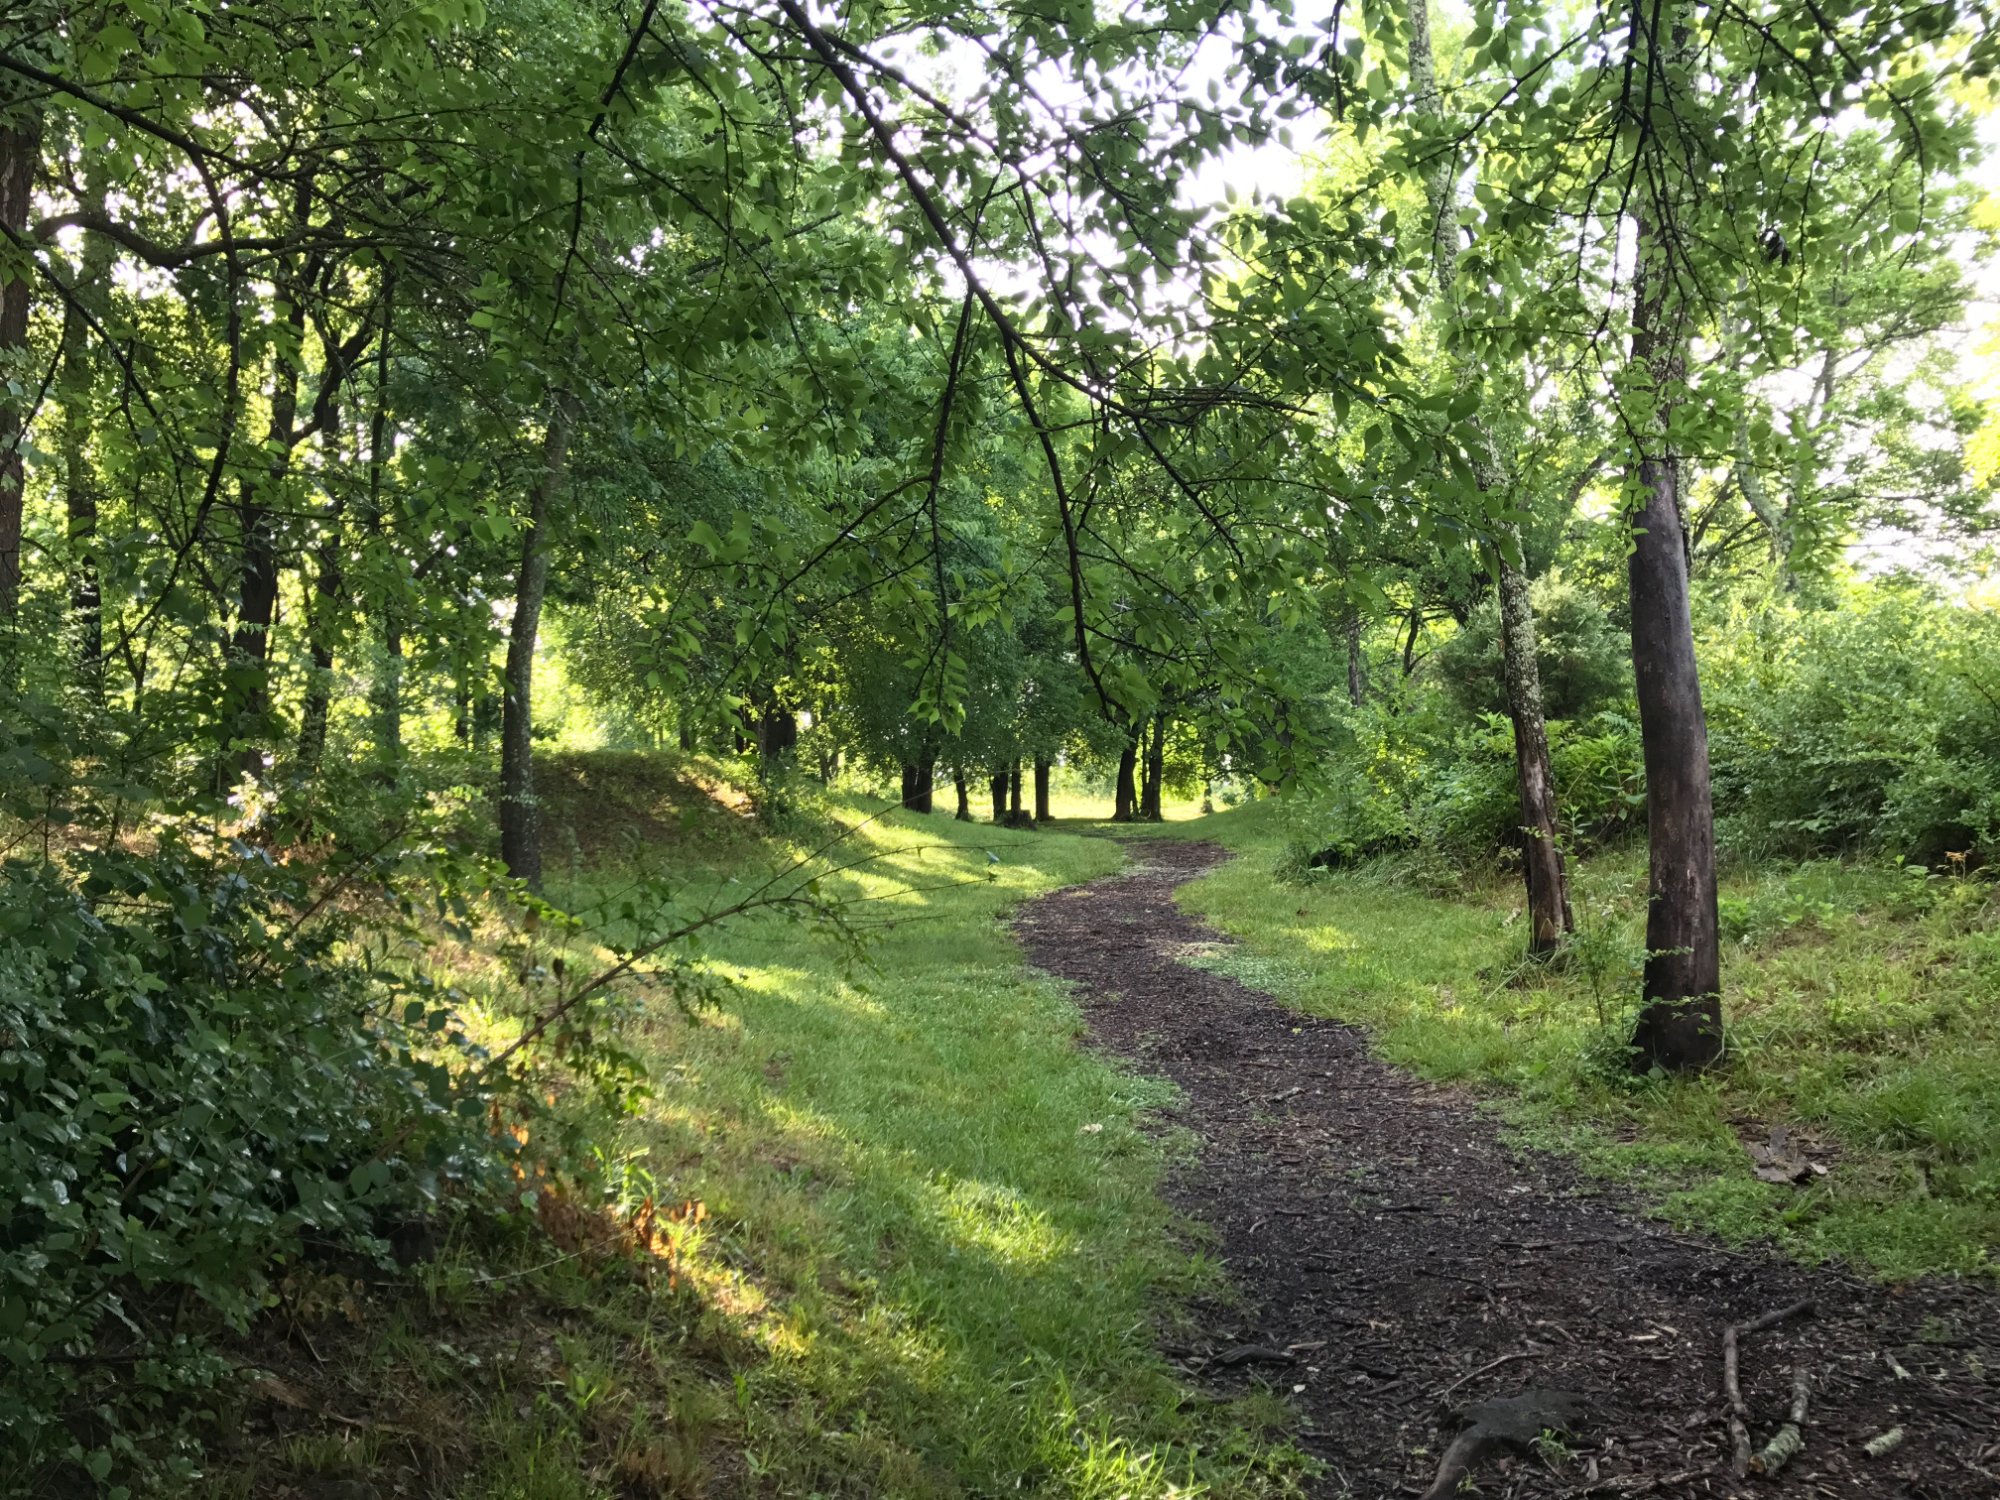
(1883,1444)
(1739,1411)
(1789,1440)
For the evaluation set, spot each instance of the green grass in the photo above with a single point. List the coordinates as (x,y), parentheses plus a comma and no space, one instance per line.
(930,1257)
(1864,1012)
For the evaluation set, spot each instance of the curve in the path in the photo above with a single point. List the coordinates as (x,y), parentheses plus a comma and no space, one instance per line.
(1396,1260)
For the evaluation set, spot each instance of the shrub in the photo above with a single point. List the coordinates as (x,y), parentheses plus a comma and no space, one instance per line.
(195,1085)
(1873,725)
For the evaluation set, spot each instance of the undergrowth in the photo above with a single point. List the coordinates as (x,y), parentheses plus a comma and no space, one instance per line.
(1863,1003)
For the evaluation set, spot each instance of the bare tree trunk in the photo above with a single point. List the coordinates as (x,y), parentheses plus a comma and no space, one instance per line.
(1042,768)
(20,158)
(520,827)
(322,612)
(86,593)
(1680,1025)
(248,666)
(1549,916)
(1151,806)
(997,784)
(1125,801)
(1014,792)
(964,791)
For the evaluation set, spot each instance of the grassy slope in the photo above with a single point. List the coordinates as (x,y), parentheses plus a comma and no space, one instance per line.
(929,1257)
(1865,1014)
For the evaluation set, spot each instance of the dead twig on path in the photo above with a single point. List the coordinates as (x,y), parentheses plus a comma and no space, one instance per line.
(1739,1411)
(1789,1440)
(1505,1359)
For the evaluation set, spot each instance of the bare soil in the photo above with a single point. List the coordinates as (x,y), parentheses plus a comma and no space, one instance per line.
(1398,1262)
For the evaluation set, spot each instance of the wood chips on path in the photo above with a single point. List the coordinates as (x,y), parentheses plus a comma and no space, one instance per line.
(1398,1263)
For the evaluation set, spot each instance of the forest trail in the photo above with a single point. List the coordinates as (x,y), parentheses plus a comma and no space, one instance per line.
(1395,1259)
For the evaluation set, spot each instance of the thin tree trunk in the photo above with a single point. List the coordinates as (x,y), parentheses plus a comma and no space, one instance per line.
(387,688)
(964,790)
(86,592)
(997,784)
(1549,916)
(248,690)
(20,158)
(520,827)
(927,784)
(322,613)
(1042,767)
(1680,1025)
(1014,792)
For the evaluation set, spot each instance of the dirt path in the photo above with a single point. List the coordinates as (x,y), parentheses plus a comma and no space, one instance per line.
(1396,1259)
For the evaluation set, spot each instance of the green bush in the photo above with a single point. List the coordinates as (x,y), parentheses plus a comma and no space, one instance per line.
(1872,725)
(195,1085)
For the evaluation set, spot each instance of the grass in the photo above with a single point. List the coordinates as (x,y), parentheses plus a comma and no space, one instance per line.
(1864,1012)
(912,1240)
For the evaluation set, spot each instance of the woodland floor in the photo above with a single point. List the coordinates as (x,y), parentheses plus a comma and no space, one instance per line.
(1398,1263)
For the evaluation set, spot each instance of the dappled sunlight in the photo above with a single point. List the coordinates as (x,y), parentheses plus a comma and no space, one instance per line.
(995,1219)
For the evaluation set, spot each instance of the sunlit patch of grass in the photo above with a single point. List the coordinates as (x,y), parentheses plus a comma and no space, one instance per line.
(1864,1005)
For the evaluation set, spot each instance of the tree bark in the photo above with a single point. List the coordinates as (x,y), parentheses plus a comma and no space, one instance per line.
(997,784)
(247,695)
(76,387)
(1549,915)
(964,791)
(1042,768)
(777,728)
(520,827)
(322,614)
(1151,807)
(1680,1025)
(1014,792)
(20,158)
(1125,801)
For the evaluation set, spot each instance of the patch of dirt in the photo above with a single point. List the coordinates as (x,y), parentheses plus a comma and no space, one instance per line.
(1397,1261)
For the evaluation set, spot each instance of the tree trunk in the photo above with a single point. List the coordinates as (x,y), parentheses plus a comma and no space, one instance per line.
(964,789)
(520,830)
(1680,1025)
(20,158)
(322,612)
(247,695)
(1042,767)
(997,784)
(76,386)
(1549,916)
(1550,919)
(1014,792)
(918,782)
(1125,801)
(1151,806)
(777,728)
